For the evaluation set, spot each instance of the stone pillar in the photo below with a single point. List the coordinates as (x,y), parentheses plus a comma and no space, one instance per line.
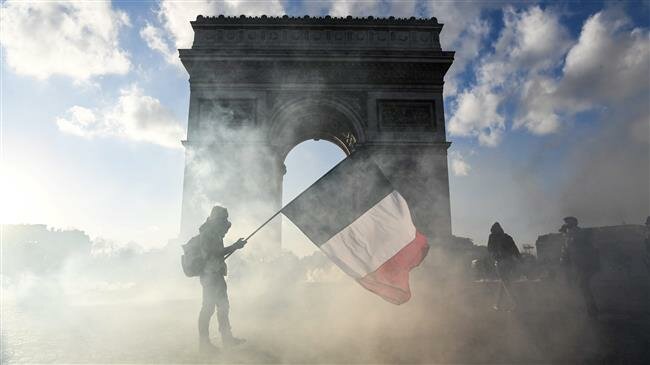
(191,213)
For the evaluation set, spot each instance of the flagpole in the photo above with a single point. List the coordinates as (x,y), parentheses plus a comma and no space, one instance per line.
(280,211)
(263,224)
(255,231)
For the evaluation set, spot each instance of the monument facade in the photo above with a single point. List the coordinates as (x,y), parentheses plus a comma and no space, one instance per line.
(261,85)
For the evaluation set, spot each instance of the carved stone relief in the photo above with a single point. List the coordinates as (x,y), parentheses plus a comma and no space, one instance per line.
(406,115)
(321,38)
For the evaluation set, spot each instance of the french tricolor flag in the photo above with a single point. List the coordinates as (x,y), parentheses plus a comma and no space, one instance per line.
(356,217)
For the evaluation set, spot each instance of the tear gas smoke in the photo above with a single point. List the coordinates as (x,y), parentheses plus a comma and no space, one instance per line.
(137,307)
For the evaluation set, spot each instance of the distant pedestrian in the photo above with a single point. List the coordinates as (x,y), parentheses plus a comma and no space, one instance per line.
(581,261)
(647,242)
(504,252)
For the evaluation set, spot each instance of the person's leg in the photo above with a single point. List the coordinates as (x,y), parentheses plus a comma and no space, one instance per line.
(507,273)
(504,270)
(585,288)
(507,288)
(207,309)
(497,270)
(223,314)
(223,306)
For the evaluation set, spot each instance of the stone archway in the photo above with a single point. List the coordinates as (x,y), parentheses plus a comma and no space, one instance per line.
(260,86)
(315,117)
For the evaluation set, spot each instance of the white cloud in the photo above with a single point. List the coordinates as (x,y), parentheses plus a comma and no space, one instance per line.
(82,122)
(531,43)
(135,116)
(155,40)
(547,78)
(534,39)
(459,166)
(400,9)
(74,39)
(608,67)
(538,113)
(610,62)
(176,32)
(476,114)
(354,8)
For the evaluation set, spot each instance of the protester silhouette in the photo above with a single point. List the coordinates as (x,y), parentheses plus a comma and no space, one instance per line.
(580,260)
(504,252)
(647,243)
(212,277)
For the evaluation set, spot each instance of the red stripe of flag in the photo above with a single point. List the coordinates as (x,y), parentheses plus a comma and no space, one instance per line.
(391,279)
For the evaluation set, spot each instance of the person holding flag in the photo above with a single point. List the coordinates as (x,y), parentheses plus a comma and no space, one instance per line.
(205,256)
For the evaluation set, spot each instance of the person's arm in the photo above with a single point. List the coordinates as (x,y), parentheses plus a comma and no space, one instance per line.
(514,248)
(234,247)
(491,246)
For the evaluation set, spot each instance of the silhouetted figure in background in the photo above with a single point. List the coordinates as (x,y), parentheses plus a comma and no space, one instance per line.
(505,254)
(211,234)
(647,243)
(580,260)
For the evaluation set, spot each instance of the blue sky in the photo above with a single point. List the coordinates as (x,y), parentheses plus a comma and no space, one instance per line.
(546,106)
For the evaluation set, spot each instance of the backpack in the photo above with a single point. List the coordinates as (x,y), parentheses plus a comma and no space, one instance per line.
(511,247)
(192,259)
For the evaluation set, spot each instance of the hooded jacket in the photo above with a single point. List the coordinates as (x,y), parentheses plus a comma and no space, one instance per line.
(500,245)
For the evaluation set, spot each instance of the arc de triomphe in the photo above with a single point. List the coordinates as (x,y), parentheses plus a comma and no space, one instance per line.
(261,85)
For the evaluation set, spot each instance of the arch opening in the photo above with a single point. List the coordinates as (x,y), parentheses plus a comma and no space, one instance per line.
(305,163)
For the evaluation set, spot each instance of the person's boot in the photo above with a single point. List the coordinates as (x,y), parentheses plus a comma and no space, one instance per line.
(229,340)
(206,347)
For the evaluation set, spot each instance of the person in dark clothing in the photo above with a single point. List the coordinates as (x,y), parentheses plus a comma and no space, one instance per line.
(211,234)
(504,252)
(580,260)
(647,243)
